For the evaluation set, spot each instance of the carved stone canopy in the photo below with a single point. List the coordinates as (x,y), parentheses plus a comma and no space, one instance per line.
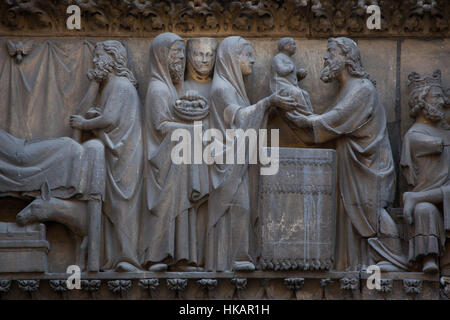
(297,18)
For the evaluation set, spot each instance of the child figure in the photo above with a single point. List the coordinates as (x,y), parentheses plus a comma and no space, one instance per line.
(285,76)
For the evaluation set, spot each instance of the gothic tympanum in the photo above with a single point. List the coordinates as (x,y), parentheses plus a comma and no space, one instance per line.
(131,207)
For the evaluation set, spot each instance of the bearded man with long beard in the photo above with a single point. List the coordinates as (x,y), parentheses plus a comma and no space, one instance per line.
(366,233)
(117,123)
(167,231)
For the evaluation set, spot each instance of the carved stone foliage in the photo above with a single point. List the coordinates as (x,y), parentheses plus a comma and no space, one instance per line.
(412,286)
(149,284)
(385,285)
(58,286)
(349,283)
(90,285)
(208,284)
(294,284)
(28,285)
(325,17)
(119,286)
(445,286)
(239,283)
(5,286)
(177,284)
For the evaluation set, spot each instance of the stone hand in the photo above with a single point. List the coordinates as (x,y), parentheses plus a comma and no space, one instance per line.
(76,121)
(409,202)
(298,119)
(283,102)
(93,112)
(192,95)
(301,74)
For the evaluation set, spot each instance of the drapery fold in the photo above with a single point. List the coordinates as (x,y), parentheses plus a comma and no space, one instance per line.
(40,93)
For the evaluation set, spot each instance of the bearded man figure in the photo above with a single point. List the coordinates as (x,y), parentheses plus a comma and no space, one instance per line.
(426,163)
(366,233)
(117,123)
(168,228)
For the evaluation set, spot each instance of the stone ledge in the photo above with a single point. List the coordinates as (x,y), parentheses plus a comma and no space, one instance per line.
(229,285)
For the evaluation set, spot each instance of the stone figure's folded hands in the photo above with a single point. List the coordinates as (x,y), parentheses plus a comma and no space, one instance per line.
(93,112)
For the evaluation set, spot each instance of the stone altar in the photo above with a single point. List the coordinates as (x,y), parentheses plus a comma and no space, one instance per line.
(39,54)
(297,211)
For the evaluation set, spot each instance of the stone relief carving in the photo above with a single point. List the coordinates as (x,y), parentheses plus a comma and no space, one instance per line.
(73,173)
(358,123)
(426,163)
(117,123)
(230,221)
(326,17)
(297,211)
(170,191)
(131,209)
(285,77)
(19,49)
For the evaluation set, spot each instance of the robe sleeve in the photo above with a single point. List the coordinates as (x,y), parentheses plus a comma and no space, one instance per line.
(425,145)
(417,144)
(115,102)
(351,113)
(157,107)
(237,116)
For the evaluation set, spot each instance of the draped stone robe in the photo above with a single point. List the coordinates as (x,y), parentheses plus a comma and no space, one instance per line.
(366,176)
(70,169)
(199,175)
(170,192)
(230,222)
(426,166)
(124,170)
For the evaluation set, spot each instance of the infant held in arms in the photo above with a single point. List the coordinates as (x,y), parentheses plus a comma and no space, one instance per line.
(285,76)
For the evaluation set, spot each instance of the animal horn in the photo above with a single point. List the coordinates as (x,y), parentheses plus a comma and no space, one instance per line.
(45,191)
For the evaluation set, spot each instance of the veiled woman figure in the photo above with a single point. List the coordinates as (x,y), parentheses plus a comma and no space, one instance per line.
(166,233)
(230,239)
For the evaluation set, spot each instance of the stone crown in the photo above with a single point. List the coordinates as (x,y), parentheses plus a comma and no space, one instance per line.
(415,81)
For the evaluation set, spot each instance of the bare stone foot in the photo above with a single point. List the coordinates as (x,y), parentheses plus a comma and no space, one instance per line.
(430,265)
(187,269)
(125,267)
(243,266)
(159,267)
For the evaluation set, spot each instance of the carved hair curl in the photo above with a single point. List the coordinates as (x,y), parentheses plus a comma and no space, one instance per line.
(120,59)
(352,54)
(416,100)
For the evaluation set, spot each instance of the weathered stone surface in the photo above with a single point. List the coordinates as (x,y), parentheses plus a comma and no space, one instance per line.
(297,211)
(423,57)
(23,249)
(203,221)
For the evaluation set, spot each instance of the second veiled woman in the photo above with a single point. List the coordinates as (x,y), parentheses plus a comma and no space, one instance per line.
(230,240)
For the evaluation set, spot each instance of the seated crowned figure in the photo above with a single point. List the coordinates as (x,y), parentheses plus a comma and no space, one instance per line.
(426,162)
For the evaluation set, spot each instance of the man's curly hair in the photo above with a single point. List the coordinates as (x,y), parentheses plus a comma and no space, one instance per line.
(351,51)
